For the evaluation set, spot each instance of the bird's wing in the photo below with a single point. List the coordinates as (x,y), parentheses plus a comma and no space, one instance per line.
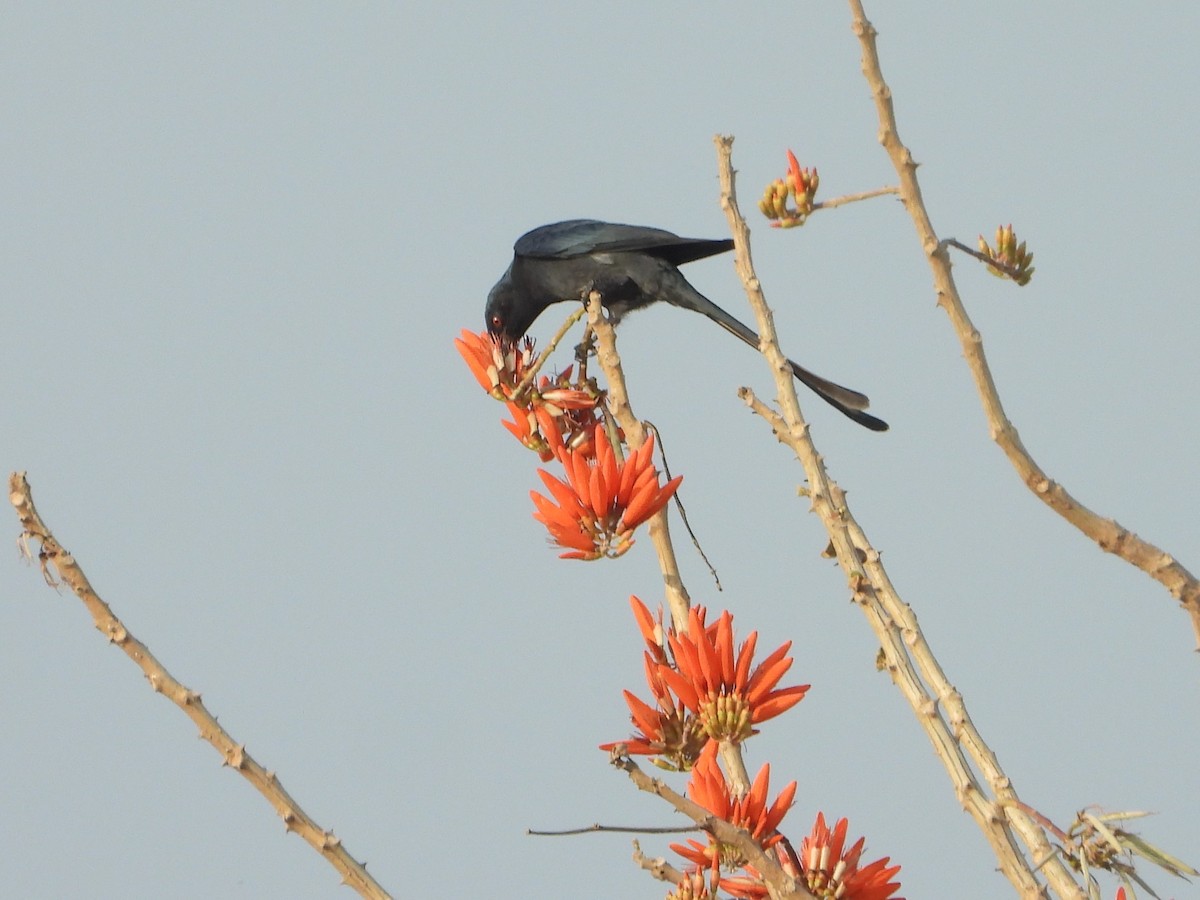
(580,237)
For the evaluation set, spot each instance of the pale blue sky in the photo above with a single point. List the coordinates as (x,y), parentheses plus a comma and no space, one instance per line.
(238,240)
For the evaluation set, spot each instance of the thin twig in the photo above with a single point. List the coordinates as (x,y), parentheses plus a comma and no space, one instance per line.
(617,829)
(835,202)
(233,754)
(683,517)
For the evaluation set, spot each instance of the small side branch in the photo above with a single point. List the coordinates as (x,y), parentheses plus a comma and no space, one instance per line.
(835,202)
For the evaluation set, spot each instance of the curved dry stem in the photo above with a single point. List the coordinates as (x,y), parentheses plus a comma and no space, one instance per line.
(910,661)
(1107,533)
(233,754)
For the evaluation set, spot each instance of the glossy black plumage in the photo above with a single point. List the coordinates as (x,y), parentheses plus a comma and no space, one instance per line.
(631,266)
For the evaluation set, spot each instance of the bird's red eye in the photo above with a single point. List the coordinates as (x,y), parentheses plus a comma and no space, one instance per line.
(497,323)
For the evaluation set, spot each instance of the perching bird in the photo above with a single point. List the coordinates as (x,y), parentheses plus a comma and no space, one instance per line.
(631,266)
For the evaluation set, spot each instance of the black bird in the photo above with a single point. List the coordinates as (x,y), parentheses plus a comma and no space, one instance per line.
(631,266)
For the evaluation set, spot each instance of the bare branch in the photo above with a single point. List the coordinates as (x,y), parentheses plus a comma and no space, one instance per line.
(1107,533)
(233,754)
(914,669)
(835,202)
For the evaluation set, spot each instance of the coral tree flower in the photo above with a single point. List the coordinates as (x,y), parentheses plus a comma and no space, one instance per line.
(718,687)
(751,812)
(665,730)
(602,501)
(500,365)
(832,871)
(825,869)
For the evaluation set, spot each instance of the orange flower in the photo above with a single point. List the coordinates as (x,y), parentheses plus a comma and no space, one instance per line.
(558,396)
(830,871)
(500,365)
(719,688)
(666,729)
(602,501)
(651,628)
(497,364)
(824,869)
(751,812)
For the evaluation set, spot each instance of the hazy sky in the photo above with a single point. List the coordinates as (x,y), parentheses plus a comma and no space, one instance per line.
(238,240)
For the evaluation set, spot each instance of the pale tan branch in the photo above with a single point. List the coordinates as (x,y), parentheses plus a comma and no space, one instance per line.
(678,600)
(52,554)
(1107,533)
(909,660)
(658,867)
(835,202)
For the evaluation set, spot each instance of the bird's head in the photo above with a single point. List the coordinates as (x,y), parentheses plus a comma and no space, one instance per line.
(504,315)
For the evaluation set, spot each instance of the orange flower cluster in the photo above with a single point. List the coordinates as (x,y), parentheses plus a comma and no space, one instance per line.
(824,867)
(706,693)
(829,870)
(751,812)
(603,500)
(703,691)
(595,511)
(501,366)
(800,185)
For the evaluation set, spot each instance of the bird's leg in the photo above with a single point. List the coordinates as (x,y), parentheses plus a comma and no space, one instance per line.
(584,349)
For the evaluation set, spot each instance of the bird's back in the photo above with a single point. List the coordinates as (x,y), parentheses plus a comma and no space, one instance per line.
(584,237)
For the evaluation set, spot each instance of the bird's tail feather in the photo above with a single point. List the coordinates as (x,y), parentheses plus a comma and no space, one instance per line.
(849,403)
